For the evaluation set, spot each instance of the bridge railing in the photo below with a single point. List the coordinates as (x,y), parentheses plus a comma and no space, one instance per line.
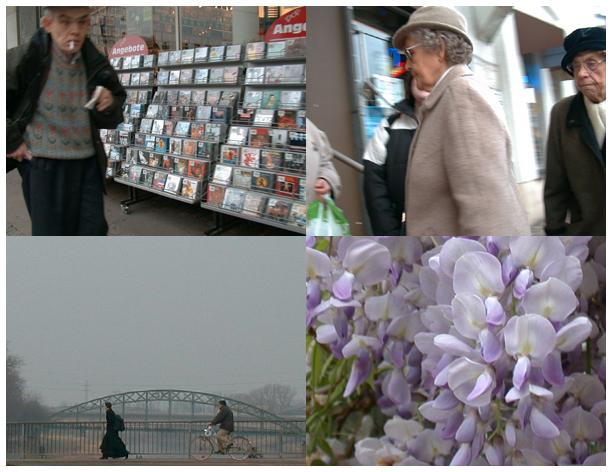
(279,438)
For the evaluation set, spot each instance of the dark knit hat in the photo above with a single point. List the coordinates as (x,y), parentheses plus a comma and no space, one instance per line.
(583,39)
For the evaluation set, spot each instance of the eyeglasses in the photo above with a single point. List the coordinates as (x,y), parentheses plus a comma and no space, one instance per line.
(591,65)
(408,51)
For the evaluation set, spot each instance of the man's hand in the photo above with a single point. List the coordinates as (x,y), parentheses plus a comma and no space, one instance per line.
(105,100)
(21,153)
(322,188)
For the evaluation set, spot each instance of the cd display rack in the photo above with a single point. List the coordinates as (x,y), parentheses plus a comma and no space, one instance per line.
(261,171)
(220,126)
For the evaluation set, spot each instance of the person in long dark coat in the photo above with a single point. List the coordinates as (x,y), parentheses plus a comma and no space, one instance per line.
(575,188)
(112,445)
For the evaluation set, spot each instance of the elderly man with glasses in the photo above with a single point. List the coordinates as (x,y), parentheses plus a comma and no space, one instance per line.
(575,189)
(52,138)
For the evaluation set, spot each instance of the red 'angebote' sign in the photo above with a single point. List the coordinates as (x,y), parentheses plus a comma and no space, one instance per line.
(291,25)
(129,46)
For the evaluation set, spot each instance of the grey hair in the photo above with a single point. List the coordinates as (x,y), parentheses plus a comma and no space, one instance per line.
(456,51)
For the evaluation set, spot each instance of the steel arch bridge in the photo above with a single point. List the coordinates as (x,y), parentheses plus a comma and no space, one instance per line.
(170,396)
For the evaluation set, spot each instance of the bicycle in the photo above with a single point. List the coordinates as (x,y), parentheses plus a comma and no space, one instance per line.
(203,446)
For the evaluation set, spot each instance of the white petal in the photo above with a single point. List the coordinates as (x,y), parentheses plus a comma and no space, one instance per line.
(552,299)
(529,335)
(478,273)
(573,333)
(469,316)
(567,269)
(326,334)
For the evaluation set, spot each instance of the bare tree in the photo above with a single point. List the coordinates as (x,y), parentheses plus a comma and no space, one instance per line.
(274,398)
(19,405)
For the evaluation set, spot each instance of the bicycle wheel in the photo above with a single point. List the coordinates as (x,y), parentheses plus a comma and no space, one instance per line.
(240,448)
(201,448)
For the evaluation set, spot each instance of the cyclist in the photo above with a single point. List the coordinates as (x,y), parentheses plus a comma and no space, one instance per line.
(225,420)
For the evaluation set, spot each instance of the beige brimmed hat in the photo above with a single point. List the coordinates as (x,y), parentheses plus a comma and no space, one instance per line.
(436,18)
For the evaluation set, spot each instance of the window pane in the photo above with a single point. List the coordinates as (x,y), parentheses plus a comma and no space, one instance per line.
(202,26)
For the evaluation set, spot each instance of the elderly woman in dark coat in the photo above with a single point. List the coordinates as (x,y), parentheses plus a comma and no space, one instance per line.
(112,445)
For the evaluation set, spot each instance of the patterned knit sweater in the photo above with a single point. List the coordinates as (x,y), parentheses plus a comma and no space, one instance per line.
(60,128)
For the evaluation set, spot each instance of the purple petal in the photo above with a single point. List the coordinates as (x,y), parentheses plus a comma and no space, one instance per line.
(521,283)
(539,391)
(359,343)
(581,450)
(467,430)
(596,459)
(536,252)
(495,312)
(494,454)
(573,333)
(446,400)
(477,443)
(359,373)
(396,353)
(521,372)
(341,325)
(326,334)
(368,260)
(552,299)
(470,382)
(377,308)
(553,370)
(582,425)
(451,345)
(491,346)
(463,456)
(542,426)
(343,287)
(452,425)
(317,264)
(483,382)
(515,394)
(398,389)
(313,294)
(509,271)
(522,410)
(490,244)
(510,434)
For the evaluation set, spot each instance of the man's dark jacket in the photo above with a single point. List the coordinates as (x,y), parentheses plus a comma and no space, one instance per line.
(27,70)
(575,173)
(384,185)
(225,419)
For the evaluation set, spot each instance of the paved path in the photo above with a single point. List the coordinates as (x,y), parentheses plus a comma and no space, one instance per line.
(158,216)
(93,461)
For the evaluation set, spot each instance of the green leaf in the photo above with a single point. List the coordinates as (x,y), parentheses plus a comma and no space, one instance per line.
(326,448)
(322,244)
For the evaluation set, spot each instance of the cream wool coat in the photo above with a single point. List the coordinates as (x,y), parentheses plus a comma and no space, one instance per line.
(459,179)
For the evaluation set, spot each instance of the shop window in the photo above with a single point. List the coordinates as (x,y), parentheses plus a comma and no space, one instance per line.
(205,26)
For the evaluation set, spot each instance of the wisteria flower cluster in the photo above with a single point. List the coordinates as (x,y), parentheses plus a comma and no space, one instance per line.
(456,351)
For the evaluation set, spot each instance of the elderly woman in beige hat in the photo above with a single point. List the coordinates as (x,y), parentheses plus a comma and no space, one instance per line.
(459,179)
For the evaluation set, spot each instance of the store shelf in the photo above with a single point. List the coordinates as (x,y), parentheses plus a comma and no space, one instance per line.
(155,191)
(199,65)
(256,219)
(276,59)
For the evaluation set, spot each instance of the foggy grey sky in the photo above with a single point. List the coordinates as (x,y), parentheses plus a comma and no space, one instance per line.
(218,315)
